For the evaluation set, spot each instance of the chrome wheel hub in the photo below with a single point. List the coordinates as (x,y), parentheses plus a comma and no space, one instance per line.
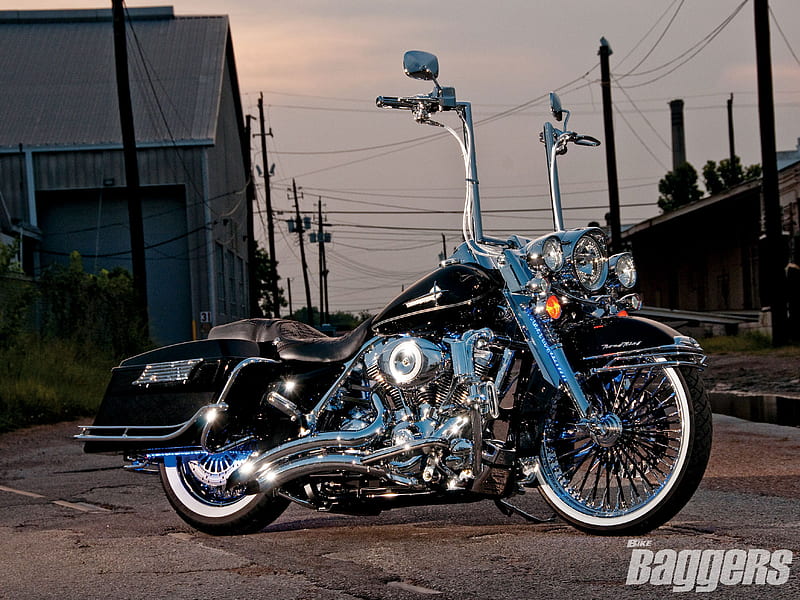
(214,469)
(604,431)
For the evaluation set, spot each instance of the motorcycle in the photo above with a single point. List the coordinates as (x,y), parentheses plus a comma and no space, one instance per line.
(515,366)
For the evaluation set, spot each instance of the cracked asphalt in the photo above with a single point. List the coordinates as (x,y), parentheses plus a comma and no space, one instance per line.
(78,526)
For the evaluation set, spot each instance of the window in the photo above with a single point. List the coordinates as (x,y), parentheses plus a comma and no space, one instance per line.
(241,282)
(230,273)
(220,264)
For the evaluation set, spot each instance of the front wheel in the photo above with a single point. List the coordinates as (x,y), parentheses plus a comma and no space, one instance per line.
(638,461)
(196,489)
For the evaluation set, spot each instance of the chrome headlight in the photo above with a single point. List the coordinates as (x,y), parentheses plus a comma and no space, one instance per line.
(590,262)
(624,269)
(545,252)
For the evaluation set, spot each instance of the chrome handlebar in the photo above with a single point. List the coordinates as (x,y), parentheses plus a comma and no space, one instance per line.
(429,103)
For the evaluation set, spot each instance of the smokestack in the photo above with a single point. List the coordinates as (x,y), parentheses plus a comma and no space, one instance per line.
(678,137)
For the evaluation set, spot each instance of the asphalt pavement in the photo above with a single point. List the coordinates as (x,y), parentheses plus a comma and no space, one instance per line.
(78,526)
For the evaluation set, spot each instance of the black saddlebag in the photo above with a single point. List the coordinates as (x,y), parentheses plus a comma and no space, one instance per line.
(159,398)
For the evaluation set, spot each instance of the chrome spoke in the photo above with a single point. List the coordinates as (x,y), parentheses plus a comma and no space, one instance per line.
(616,464)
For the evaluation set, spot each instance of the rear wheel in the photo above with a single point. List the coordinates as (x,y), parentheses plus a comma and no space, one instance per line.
(637,463)
(196,489)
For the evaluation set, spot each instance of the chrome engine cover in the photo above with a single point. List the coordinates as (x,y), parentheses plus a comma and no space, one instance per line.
(409,362)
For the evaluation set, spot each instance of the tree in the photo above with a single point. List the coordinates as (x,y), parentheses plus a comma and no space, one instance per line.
(678,188)
(98,312)
(265,273)
(16,294)
(727,174)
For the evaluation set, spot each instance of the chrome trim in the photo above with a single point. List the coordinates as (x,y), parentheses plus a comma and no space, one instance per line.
(124,435)
(417,447)
(284,405)
(671,355)
(176,371)
(237,370)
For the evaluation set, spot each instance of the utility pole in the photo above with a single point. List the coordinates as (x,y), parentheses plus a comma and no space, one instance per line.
(731,148)
(289,284)
(132,190)
(611,151)
(250,198)
(772,258)
(270,223)
(324,316)
(304,264)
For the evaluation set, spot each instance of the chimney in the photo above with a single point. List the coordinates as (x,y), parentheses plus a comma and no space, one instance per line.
(678,137)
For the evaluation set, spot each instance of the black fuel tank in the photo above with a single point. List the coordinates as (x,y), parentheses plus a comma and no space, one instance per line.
(455,295)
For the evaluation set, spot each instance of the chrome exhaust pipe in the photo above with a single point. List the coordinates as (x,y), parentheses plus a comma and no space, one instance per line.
(293,450)
(273,477)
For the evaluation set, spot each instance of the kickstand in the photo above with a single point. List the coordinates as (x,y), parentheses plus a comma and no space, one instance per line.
(509,509)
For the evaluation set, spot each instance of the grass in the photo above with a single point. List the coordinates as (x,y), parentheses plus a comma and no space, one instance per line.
(757,343)
(46,381)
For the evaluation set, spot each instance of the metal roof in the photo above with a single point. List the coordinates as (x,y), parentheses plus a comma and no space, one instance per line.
(58,83)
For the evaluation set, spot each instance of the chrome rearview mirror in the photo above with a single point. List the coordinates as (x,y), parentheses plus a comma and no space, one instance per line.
(555,106)
(421,65)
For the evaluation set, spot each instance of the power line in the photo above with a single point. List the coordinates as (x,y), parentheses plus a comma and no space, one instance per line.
(646,120)
(783,35)
(638,137)
(689,54)
(661,37)
(644,37)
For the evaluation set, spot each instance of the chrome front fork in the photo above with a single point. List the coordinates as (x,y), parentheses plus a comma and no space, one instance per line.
(548,352)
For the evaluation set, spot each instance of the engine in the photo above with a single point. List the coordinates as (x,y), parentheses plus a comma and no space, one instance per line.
(438,395)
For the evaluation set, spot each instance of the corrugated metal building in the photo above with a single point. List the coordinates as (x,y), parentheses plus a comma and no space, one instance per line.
(61,164)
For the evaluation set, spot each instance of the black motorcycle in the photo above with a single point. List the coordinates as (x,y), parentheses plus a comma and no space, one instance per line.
(515,365)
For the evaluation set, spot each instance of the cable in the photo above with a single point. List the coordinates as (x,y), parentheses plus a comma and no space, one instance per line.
(424,140)
(783,35)
(646,120)
(661,37)
(638,137)
(649,31)
(691,52)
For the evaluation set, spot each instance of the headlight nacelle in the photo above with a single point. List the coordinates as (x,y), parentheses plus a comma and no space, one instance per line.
(589,259)
(545,252)
(623,268)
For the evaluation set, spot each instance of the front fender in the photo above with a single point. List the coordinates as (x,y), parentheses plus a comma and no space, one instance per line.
(616,343)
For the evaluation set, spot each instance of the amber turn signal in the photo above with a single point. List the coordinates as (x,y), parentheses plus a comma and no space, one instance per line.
(553,307)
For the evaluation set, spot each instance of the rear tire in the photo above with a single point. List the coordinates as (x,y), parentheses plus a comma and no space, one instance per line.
(645,466)
(196,490)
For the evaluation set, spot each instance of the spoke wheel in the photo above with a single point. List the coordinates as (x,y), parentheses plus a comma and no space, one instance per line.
(637,460)
(196,489)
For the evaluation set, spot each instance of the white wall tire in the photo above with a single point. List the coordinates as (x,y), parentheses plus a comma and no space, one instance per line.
(210,508)
(636,481)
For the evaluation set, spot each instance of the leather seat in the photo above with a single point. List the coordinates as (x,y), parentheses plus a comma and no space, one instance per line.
(294,340)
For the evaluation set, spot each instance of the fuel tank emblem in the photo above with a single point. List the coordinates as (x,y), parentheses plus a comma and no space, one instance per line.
(432,296)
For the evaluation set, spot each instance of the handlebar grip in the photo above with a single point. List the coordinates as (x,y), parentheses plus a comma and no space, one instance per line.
(586,140)
(393,102)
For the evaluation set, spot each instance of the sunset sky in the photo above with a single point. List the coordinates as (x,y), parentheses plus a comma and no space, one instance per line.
(321,63)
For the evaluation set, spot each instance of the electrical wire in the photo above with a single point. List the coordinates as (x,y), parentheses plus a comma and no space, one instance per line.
(783,35)
(685,56)
(660,38)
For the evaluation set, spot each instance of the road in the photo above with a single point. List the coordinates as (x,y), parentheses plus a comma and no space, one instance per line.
(77,526)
